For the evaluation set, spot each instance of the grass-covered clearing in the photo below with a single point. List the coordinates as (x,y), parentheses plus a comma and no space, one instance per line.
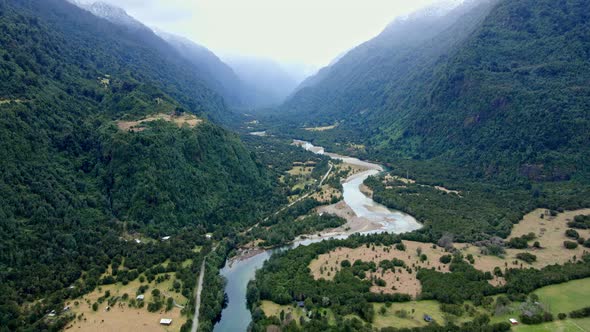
(123,317)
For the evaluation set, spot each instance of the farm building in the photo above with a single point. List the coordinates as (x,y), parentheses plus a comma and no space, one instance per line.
(513,321)
(166,321)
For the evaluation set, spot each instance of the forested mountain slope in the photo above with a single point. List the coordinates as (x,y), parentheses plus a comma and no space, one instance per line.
(219,75)
(202,62)
(500,86)
(77,185)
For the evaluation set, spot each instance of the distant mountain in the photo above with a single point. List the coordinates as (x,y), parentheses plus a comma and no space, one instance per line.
(268,81)
(496,85)
(110,13)
(246,83)
(218,75)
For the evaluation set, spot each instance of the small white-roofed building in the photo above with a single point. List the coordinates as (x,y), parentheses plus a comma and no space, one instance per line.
(166,321)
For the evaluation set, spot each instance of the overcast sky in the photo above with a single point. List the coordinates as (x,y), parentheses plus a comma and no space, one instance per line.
(311,32)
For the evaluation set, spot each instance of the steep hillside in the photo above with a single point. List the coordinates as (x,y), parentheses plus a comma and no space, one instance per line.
(104,139)
(495,85)
(217,74)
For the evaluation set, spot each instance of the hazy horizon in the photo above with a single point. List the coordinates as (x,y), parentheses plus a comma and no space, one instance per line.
(287,32)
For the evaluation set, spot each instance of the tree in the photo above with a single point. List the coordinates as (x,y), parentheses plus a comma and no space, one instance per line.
(572,233)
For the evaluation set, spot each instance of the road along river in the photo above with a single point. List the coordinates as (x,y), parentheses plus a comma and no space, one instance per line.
(364,216)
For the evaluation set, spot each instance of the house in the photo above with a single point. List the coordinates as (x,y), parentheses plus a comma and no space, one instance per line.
(140,297)
(166,238)
(166,321)
(301,304)
(52,313)
(137,241)
(428,318)
(208,235)
(513,321)
(67,308)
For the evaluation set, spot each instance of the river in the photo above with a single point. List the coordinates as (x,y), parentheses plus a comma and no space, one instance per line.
(369,217)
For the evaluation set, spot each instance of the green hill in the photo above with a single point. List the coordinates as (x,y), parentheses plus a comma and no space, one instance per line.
(77,187)
(495,87)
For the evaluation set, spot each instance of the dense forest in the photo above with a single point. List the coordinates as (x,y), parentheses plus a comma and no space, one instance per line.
(76,188)
(488,99)
(497,88)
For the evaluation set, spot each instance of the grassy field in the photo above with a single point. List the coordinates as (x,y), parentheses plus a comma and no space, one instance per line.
(327,265)
(121,317)
(566,297)
(549,231)
(570,325)
(415,314)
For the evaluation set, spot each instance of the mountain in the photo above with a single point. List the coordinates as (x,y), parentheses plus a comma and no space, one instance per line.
(218,75)
(246,83)
(106,137)
(269,82)
(111,13)
(497,87)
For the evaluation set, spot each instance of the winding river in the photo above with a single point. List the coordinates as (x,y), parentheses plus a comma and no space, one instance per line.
(368,217)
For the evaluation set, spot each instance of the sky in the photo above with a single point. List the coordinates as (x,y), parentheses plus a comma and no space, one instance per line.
(310,32)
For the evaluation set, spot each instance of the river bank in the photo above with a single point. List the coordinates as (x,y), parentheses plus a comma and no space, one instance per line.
(363,216)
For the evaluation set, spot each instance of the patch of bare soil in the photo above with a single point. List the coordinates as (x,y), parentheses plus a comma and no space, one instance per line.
(180,120)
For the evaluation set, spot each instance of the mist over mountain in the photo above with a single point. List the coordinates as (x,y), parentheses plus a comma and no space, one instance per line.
(436,84)
(111,13)
(269,82)
(219,75)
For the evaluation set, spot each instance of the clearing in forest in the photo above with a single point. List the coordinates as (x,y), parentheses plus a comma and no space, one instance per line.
(549,232)
(180,120)
(121,316)
(402,280)
(322,128)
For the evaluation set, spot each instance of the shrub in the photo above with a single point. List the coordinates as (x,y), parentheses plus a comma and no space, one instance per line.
(453,309)
(525,256)
(561,316)
(445,259)
(380,282)
(572,234)
(400,246)
(570,245)
(345,263)
(584,312)
(518,243)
